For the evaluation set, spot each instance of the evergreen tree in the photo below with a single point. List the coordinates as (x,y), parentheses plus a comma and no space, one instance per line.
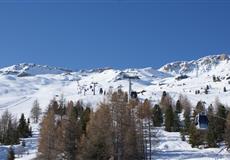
(194,136)
(79,108)
(199,108)
(176,124)
(12,135)
(157,116)
(187,119)
(55,106)
(211,133)
(23,128)
(220,121)
(165,102)
(11,154)
(85,117)
(169,119)
(227,131)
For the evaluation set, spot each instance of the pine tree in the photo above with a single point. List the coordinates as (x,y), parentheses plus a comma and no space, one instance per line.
(220,121)
(211,133)
(23,128)
(227,131)
(55,106)
(35,111)
(11,154)
(157,116)
(176,123)
(79,108)
(187,119)
(169,119)
(165,102)
(193,135)
(12,135)
(85,117)
(199,108)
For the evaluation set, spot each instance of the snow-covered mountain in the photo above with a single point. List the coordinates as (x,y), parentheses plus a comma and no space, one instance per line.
(30,69)
(202,65)
(21,84)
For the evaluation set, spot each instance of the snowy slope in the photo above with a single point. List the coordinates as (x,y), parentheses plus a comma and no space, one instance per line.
(17,93)
(170,146)
(22,84)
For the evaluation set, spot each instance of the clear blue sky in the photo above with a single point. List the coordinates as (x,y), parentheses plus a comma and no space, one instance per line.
(82,34)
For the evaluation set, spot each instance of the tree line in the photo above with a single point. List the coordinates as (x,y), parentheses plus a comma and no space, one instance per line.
(218,115)
(11,130)
(116,130)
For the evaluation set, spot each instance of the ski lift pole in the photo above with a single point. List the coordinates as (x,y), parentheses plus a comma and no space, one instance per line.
(130,89)
(94,86)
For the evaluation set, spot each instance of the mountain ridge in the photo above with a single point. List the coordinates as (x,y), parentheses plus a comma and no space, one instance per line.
(203,65)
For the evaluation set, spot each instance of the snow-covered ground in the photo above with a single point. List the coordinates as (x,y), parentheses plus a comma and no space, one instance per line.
(171,147)
(23,153)
(21,85)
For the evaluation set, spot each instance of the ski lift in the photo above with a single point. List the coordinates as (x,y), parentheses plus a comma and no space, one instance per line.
(201,121)
(133,95)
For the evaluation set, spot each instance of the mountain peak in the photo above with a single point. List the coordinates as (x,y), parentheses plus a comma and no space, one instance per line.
(204,64)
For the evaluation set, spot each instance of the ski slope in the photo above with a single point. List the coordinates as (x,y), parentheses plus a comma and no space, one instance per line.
(22,84)
(171,147)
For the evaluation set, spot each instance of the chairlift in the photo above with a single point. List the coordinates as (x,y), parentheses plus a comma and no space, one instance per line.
(201,121)
(133,94)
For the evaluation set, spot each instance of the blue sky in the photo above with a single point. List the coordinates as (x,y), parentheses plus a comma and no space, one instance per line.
(116,33)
